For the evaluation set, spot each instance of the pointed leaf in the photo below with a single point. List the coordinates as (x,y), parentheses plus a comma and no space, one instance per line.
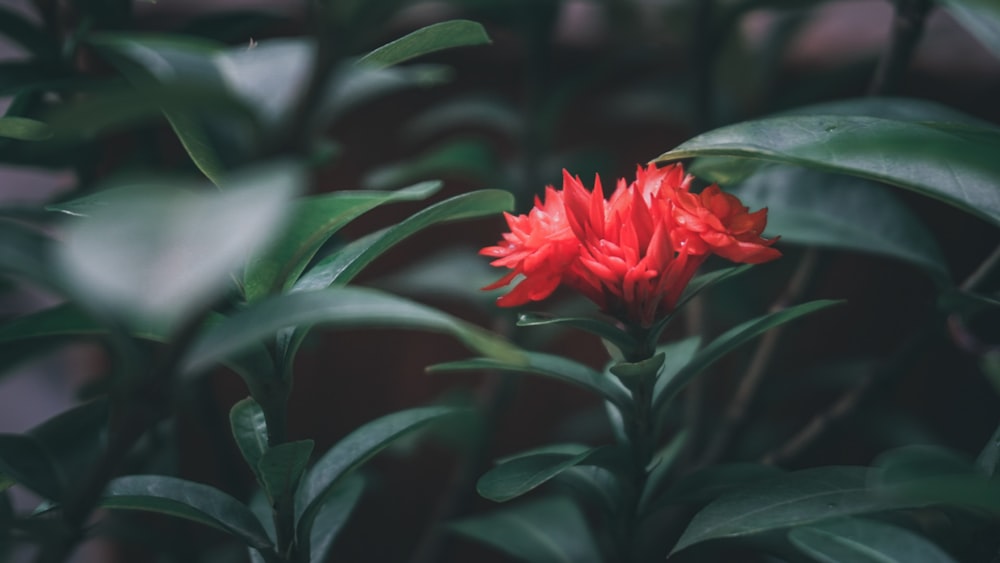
(312,221)
(517,476)
(552,366)
(332,517)
(24,461)
(812,208)
(281,467)
(950,162)
(188,500)
(348,454)
(342,266)
(604,329)
(159,254)
(339,307)
(550,530)
(795,499)
(24,129)
(865,541)
(249,427)
(435,37)
(667,388)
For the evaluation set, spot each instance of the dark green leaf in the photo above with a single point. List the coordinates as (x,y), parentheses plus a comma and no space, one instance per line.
(435,37)
(75,438)
(667,388)
(981,17)
(548,365)
(517,476)
(249,427)
(865,541)
(989,456)
(339,307)
(332,517)
(901,109)
(134,255)
(604,329)
(313,220)
(597,484)
(812,208)
(949,162)
(281,467)
(24,461)
(925,475)
(659,469)
(24,253)
(188,500)
(795,499)
(25,32)
(712,482)
(550,530)
(342,266)
(24,129)
(345,456)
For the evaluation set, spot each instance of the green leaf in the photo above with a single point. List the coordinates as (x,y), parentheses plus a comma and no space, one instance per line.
(798,498)
(75,438)
(24,461)
(345,456)
(659,469)
(435,37)
(312,222)
(161,253)
(865,541)
(550,530)
(950,162)
(597,484)
(20,29)
(332,517)
(185,499)
(989,456)
(24,129)
(342,266)
(981,17)
(517,476)
(812,208)
(696,286)
(604,329)
(926,475)
(712,482)
(249,427)
(547,365)
(24,253)
(338,307)
(281,467)
(667,388)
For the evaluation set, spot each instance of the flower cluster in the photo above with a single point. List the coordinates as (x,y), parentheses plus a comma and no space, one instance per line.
(633,253)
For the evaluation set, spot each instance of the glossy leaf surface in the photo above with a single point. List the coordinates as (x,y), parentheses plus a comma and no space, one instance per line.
(550,530)
(281,467)
(547,365)
(249,428)
(435,37)
(950,162)
(188,500)
(865,541)
(517,476)
(332,516)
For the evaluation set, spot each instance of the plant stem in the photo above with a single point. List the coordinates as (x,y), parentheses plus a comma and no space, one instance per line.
(907,27)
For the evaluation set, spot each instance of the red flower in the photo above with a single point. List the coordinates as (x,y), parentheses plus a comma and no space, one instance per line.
(632,254)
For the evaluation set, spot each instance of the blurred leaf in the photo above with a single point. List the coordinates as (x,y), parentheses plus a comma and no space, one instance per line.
(547,365)
(456,272)
(281,467)
(950,162)
(74,439)
(249,427)
(795,499)
(312,221)
(549,530)
(337,464)
(900,109)
(24,461)
(927,475)
(493,114)
(185,499)
(269,76)
(25,32)
(981,17)
(601,486)
(21,76)
(863,541)
(332,517)
(435,37)
(659,469)
(24,253)
(712,482)
(232,26)
(812,208)
(467,158)
(339,307)
(667,388)
(24,129)
(989,456)
(604,329)
(517,476)
(162,253)
(342,266)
